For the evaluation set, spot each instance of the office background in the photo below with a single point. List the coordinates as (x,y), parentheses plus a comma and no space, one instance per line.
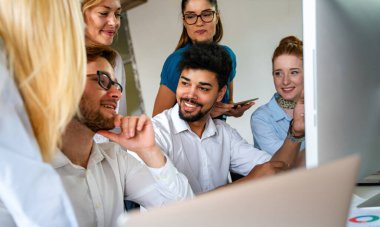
(252,29)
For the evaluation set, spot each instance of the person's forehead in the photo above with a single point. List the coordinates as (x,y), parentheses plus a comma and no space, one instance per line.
(199,76)
(110,4)
(101,64)
(287,61)
(198,5)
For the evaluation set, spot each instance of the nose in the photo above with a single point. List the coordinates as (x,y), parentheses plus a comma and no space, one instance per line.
(191,93)
(286,79)
(199,21)
(114,92)
(114,20)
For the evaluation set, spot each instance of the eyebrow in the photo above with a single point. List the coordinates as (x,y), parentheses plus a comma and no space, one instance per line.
(205,84)
(201,11)
(289,69)
(185,78)
(109,8)
(201,83)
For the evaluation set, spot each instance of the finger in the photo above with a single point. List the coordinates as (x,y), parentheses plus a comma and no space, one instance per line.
(132,126)
(224,105)
(144,120)
(124,126)
(117,120)
(247,106)
(250,104)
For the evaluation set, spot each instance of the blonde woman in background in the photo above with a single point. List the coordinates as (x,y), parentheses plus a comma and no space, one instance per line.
(42,70)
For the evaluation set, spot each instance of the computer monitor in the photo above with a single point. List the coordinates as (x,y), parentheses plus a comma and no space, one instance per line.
(342,81)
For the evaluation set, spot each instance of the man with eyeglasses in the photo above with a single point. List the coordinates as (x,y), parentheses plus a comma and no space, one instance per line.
(99,177)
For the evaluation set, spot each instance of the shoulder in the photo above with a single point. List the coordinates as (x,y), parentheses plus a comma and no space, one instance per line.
(161,122)
(262,111)
(117,155)
(265,111)
(223,126)
(176,56)
(170,70)
(110,149)
(230,52)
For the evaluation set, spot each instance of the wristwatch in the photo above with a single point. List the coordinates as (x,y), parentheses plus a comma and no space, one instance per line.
(294,139)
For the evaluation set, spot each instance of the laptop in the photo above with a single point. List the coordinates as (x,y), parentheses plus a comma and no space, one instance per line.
(305,197)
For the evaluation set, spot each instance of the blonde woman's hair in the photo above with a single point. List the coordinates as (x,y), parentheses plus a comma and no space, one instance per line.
(87,4)
(44,43)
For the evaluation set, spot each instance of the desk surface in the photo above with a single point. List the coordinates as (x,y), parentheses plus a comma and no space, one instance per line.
(366,192)
(364,217)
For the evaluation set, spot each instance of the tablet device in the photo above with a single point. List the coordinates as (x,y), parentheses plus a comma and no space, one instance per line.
(242,103)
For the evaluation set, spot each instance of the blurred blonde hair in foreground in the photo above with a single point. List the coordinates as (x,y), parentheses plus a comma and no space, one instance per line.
(44,44)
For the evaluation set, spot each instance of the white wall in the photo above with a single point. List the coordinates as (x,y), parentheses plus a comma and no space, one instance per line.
(252,28)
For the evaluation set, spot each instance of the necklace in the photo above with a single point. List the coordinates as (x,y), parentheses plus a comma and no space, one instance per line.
(286,104)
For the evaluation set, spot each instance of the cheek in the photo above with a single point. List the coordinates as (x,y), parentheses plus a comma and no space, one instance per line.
(118,25)
(212,28)
(276,82)
(189,30)
(95,23)
(299,81)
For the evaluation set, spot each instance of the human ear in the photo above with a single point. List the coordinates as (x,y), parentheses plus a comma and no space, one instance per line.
(221,93)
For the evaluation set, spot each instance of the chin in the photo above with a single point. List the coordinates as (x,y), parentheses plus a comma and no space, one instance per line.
(202,40)
(106,41)
(287,96)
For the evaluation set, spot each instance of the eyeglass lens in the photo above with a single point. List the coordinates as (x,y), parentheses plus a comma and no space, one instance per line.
(206,16)
(106,82)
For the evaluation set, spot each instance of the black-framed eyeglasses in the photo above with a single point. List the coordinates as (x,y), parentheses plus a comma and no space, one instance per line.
(206,16)
(105,81)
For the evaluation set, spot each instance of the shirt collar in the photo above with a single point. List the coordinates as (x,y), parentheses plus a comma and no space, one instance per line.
(60,159)
(180,125)
(277,112)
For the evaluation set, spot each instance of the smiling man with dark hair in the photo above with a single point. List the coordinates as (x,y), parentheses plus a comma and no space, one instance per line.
(206,149)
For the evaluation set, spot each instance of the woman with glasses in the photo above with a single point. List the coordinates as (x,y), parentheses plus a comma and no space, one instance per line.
(270,122)
(42,74)
(201,23)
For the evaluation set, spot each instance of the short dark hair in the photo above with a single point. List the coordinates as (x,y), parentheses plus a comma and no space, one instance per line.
(208,56)
(94,52)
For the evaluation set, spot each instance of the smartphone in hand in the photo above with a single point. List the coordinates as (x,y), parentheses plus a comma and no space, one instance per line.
(242,103)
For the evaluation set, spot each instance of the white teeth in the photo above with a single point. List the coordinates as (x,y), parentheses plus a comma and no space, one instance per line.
(190,105)
(108,106)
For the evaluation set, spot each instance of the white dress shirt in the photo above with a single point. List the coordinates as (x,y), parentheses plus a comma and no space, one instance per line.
(205,161)
(112,176)
(31,192)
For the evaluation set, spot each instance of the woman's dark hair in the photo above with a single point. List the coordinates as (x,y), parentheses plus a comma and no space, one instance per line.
(208,56)
(185,39)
